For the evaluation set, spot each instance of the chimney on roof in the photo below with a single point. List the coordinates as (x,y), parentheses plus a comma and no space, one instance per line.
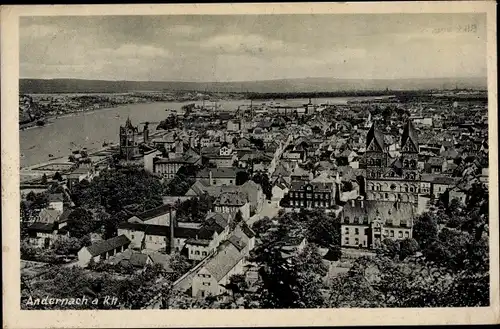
(362,203)
(210,177)
(172,227)
(352,203)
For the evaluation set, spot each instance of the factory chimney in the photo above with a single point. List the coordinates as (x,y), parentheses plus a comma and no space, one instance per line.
(173,223)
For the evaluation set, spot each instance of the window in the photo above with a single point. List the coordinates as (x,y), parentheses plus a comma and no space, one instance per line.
(197,252)
(150,238)
(132,237)
(206,283)
(392,233)
(400,234)
(411,189)
(356,241)
(407,234)
(387,195)
(346,240)
(203,253)
(356,231)
(230,181)
(364,243)
(386,232)
(347,229)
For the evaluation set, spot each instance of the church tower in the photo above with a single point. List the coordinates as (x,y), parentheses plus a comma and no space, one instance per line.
(376,154)
(129,147)
(409,152)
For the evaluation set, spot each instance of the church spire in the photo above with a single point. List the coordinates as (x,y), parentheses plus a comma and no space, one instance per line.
(128,123)
(375,137)
(409,139)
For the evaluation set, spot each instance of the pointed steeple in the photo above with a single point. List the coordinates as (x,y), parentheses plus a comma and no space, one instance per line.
(409,137)
(375,136)
(128,123)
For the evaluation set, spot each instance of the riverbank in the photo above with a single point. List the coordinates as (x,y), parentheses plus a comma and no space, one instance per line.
(50,118)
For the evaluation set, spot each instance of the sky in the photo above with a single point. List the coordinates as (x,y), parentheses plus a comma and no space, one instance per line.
(253,47)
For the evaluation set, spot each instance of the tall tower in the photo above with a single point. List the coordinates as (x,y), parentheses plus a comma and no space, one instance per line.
(145,133)
(409,152)
(376,154)
(129,147)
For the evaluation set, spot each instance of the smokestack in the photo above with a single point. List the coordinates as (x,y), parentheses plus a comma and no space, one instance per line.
(172,235)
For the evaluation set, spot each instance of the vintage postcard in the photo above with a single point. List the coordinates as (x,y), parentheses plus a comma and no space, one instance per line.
(249,164)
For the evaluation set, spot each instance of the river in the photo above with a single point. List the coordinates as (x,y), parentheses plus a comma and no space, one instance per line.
(91,129)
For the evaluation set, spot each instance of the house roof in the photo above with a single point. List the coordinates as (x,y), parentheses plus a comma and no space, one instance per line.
(282,170)
(56,197)
(160,230)
(444,180)
(221,220)
(101,247)
(394,214)
(138,259)
(155,212)
(49,215)
(436,161)
(232,199)
(198,242)
(41,227)
(347,153)
(298,171)
(217,173)
(237,242)
(159,258)
(224,260)
(64,216)
(316,186)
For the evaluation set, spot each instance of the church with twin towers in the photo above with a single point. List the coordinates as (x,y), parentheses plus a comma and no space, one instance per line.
(392,179)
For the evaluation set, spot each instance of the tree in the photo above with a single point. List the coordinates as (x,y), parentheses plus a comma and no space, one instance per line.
(80,223)
(238,218)
(57,176)
(66,246)
(180,265)
(390,248)
(237,284)
(425,230)
(347,186)
(258,143)
(287,282)
(44,179)
(322,229)
(263,180)
(407,247)
(195,209)
(113,190)
(242,177)
(262,226)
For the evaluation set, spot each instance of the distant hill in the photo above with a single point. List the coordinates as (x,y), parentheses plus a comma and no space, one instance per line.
(38,86)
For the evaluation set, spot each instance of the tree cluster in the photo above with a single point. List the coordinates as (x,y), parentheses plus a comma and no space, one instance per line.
(194,209)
